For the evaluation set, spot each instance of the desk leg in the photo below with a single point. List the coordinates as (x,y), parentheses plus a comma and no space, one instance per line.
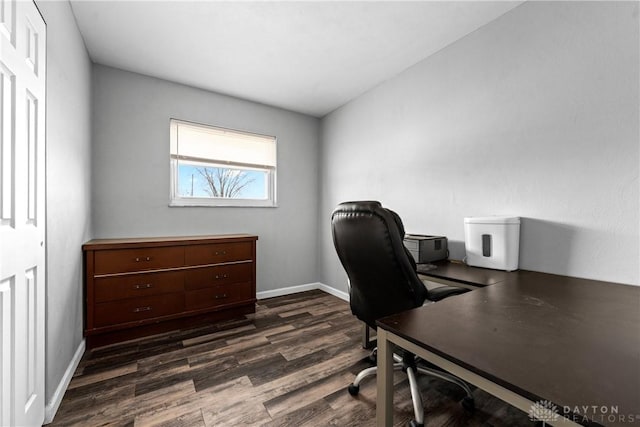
(384,402)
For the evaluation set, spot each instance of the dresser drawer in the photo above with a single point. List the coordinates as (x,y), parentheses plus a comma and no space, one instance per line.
(138,285)
(206,277)
(217,253)
(135,309)
(130,260)
(218,295)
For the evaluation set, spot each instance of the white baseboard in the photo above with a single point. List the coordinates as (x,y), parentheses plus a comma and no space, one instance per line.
(287,291)
(302,288)
(333,291)
(53,405)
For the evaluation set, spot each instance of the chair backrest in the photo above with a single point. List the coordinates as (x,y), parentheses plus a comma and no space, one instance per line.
(382,276)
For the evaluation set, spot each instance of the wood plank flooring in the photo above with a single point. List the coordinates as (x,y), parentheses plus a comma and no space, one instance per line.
(289,364)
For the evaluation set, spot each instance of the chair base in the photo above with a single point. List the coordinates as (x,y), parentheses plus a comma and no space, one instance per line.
(410,367)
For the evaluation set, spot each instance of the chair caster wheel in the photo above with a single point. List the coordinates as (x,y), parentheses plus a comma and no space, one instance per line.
(373,357)
(353,389)
(414,423)
(468,404)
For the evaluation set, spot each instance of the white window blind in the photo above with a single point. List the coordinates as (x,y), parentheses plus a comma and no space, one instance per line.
(200,143)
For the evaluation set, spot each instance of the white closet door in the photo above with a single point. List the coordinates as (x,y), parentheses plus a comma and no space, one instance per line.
(22,213)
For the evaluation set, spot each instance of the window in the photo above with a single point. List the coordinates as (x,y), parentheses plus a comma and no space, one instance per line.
(213,166)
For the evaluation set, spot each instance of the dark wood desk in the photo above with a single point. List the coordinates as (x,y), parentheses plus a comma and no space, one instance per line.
(529,338)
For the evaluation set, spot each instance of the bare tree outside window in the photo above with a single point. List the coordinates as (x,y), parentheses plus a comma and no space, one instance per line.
(225,183)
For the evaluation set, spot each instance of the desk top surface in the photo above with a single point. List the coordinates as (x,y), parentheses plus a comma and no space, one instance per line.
(459,272)
(573,342)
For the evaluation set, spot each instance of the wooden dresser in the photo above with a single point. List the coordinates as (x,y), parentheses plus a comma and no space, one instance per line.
(137,287)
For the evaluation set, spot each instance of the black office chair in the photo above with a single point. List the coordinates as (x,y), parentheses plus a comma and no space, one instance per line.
(383,281)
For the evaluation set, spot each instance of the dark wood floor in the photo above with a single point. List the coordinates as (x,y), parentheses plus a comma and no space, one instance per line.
(287,365)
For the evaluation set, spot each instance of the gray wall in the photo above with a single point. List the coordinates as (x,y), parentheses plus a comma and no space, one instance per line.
(535,114)
(68,157)
(131,116)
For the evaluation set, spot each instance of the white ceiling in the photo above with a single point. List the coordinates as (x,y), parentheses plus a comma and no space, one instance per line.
(310,57)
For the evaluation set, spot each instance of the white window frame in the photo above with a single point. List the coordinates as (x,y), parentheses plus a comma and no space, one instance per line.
(174,158)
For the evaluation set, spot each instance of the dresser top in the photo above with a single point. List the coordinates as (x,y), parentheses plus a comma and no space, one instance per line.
(132,242)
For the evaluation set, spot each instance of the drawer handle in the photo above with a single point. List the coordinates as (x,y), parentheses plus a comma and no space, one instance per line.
(144,258)
(143,286)
(222,276)
(221,296)
(221,252)
(141,309)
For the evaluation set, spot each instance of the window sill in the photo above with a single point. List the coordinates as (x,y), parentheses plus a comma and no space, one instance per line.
(186,203)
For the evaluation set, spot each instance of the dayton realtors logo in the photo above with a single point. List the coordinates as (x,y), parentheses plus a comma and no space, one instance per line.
(601,414)
(544,411)
(547,412)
